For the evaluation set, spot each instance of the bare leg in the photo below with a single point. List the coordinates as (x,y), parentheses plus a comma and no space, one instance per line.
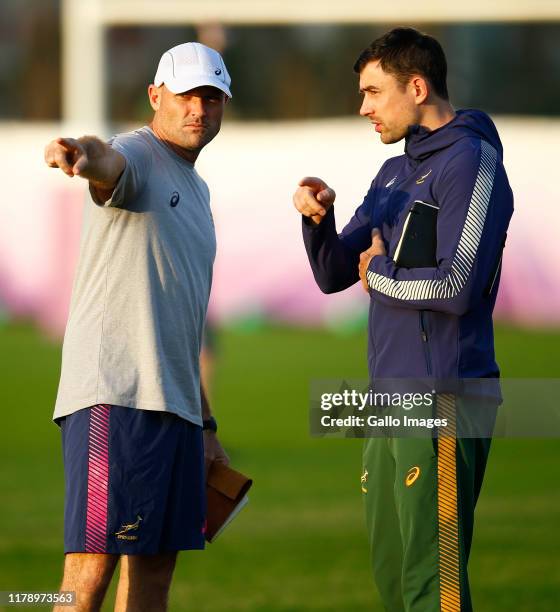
(89,576)
(144,582)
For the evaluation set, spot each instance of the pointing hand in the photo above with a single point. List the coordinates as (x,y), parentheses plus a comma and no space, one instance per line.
(67,154)
(313,198)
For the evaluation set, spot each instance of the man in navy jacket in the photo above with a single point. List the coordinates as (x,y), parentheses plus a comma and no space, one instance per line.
(431,322)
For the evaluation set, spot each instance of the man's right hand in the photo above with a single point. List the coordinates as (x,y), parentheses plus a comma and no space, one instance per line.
(313,198)
(68,154)
(90,158)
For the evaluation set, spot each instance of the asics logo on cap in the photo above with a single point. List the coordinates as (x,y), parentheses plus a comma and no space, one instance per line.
(217,71)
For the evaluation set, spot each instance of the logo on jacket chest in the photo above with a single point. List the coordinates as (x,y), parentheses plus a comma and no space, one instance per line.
(421,179)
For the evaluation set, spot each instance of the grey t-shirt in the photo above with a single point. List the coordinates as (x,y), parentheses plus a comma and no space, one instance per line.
(141,288)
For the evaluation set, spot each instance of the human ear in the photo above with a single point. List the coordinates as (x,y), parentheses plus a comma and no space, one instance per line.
(420,89)
(154,95)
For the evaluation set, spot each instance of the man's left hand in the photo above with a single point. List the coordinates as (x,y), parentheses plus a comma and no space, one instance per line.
(213,450)
(377,248)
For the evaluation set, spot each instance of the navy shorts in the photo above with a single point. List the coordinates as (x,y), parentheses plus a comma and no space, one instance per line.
(134,481)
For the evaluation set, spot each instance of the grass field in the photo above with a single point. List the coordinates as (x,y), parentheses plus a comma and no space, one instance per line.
(300,545)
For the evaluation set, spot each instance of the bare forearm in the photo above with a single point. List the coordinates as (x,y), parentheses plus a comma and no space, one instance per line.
(213,450)
(105,164)
(206,412)
(88,157)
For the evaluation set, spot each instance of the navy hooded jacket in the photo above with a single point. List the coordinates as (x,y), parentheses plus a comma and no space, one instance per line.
(428,322)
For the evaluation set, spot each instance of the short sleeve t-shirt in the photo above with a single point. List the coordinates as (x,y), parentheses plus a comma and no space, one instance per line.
(141,288)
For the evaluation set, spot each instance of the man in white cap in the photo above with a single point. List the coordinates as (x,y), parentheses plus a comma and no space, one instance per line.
(136,426)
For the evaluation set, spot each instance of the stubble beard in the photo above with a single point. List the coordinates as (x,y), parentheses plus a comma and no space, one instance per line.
(195,142)
(393,136)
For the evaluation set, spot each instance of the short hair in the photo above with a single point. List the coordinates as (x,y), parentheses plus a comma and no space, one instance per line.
(406,51)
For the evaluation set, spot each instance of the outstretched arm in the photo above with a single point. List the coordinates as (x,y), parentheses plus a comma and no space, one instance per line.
(88,157)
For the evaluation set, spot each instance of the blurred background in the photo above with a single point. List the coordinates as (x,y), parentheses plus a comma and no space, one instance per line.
(69,67)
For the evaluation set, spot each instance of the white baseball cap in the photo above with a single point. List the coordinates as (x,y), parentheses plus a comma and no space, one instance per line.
(191,65)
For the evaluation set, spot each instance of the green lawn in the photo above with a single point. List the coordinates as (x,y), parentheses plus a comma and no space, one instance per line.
(300,545)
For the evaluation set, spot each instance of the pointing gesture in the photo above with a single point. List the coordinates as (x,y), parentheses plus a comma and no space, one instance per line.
(68,154)
(313,198)
(89,158)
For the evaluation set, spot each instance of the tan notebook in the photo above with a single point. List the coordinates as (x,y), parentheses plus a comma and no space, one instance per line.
(226,494)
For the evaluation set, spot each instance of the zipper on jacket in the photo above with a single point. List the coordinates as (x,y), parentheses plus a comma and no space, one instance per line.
(425,343)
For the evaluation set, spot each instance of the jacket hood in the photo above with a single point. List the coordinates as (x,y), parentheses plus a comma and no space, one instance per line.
(469,123)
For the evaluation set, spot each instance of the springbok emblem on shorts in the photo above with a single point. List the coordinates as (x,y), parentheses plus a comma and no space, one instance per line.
(363,481)
(130,527)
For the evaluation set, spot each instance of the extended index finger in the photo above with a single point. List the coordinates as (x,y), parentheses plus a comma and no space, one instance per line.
(70,144)
(306,202)
(313,182)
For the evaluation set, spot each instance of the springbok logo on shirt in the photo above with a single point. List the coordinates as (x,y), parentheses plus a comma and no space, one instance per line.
(420,180)
(122,533)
